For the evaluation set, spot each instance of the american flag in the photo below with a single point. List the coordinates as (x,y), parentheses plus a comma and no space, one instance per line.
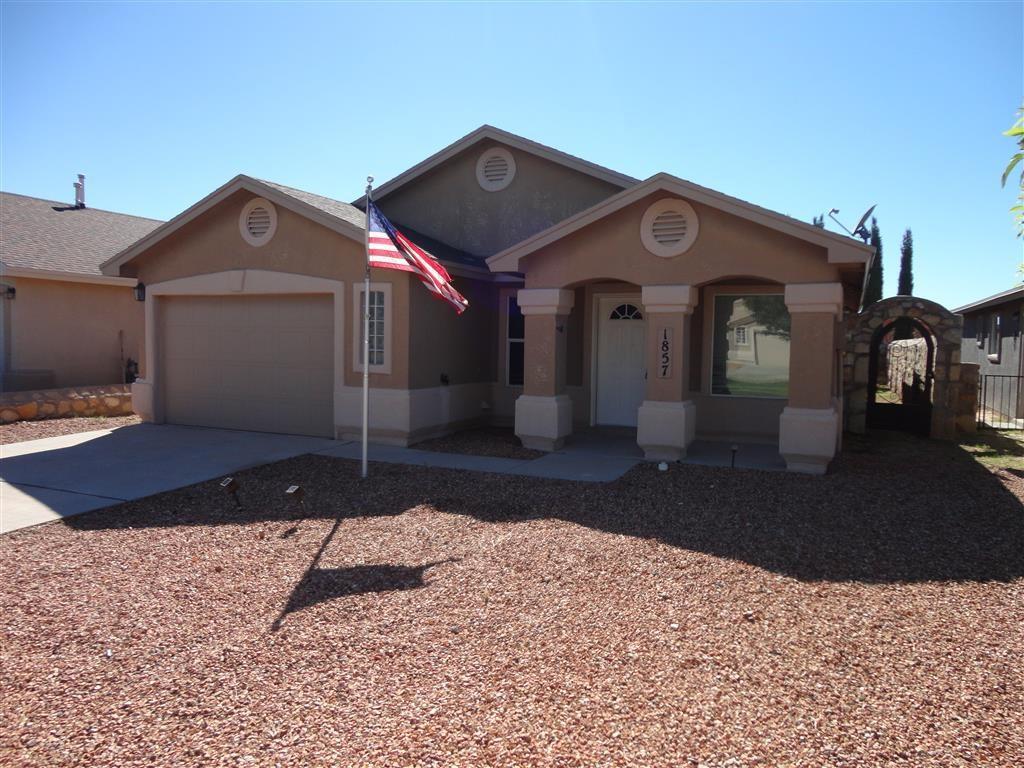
(388,248)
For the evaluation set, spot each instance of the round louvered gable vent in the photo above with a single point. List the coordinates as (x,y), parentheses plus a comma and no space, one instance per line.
(495,169)
(258,222)
(669,227)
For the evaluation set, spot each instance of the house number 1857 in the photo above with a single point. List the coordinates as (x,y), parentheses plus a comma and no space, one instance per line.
(665,353)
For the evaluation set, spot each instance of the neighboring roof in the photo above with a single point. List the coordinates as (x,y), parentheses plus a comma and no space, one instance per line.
(50,239)
(1000,298)
(841,249)
(490,133)
(339,216)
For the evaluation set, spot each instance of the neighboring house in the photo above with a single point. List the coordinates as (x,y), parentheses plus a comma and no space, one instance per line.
(63,323)
(992,339)
(595,299)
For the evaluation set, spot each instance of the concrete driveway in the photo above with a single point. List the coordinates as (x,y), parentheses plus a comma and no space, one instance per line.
(42,480)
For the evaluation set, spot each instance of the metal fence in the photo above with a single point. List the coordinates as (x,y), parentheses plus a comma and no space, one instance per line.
(999,402)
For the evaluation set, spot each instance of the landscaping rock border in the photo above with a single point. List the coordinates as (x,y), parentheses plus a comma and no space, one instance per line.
(102,400)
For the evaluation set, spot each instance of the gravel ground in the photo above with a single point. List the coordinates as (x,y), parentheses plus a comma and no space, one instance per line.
(21,431)
(427,617)
(499,442)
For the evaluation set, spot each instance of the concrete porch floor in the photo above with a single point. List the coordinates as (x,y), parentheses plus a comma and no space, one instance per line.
(620,442)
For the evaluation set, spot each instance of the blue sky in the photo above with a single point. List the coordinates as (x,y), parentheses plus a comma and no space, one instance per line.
(798,107)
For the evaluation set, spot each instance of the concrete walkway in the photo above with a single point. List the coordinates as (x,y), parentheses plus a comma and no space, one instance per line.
(43,480)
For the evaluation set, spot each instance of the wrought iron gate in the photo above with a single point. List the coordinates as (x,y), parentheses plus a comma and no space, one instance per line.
(999,401)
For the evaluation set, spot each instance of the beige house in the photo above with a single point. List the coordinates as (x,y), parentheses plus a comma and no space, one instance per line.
(595,299)
(63,323)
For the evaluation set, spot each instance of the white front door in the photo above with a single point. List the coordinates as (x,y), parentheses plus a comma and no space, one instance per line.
(620,360)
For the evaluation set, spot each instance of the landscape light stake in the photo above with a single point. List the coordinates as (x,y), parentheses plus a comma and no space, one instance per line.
(734,448)
(230,485)
(295,493)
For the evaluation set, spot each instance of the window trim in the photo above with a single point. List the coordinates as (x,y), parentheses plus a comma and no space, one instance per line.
(507,316)
(357,327)
(994,336)
(707,356)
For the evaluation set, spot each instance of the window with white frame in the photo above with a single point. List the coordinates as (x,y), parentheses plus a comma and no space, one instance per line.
(380,327)
(515,344)
(741,334)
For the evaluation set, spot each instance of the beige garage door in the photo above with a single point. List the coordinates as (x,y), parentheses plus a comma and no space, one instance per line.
(262,363)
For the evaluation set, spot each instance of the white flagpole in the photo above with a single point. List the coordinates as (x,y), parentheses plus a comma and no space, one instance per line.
(366,333)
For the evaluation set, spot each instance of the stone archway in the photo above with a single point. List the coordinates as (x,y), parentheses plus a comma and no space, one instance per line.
(864,330)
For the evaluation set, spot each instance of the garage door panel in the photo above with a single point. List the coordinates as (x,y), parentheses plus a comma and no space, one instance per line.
(262,363)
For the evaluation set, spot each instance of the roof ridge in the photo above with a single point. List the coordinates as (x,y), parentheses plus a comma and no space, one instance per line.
(71,206)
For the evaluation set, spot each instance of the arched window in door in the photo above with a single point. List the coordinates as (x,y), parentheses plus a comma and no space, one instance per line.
(626,312)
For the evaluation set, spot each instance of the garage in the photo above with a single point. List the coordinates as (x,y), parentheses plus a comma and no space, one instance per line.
(254,362)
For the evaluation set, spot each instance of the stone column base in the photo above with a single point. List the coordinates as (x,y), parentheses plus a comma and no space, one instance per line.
(665,429)
(808,438)
(142,400)
(543,423)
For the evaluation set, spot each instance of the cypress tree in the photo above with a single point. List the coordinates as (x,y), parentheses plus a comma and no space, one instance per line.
(873,291)
(907,265)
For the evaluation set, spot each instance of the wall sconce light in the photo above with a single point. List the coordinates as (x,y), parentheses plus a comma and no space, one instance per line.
(140,291)
(10,291)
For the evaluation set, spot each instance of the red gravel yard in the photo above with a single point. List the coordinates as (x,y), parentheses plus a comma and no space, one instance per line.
(426,617)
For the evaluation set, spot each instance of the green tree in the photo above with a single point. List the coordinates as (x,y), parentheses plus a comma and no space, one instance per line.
(770,312)
(906,287)
(873,292)
(1017,132)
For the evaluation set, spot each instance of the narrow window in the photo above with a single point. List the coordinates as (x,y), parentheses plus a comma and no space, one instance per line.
(376,327)
(516,332)
(741,334)
(995,336)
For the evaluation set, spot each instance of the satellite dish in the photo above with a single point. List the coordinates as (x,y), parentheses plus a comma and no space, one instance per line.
(859,230)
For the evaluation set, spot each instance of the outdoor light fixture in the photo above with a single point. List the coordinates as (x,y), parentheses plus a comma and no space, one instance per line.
(230,485)
(734,448)
(140,292)
(10,291)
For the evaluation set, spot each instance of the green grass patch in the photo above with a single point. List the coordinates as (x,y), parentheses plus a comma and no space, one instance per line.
(757,388)
(996,449)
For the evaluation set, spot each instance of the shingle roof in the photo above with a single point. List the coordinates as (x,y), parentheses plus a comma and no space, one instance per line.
(357,217)
(1011,294)
(337,208)
(49,235)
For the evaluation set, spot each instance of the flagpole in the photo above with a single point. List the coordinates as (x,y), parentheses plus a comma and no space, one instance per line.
(366,332)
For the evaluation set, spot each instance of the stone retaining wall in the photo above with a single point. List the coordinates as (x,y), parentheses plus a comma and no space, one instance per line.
(106,400)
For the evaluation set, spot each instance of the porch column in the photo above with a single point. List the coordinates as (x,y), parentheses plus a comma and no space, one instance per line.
(809,428)
(667,418)
(544,410)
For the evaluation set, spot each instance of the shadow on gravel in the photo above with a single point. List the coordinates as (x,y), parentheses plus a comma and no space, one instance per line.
(318,585)
(893,509)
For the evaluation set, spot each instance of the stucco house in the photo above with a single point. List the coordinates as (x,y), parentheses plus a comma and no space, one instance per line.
(63,323)
(595,299)
(992,340)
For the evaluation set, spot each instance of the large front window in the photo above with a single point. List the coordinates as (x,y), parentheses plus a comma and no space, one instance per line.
(750,348)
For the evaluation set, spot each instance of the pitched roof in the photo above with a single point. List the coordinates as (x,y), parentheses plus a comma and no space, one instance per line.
(490,133)
(841,249)
(339,216)
(1012,294)
(50,237)
(343,211)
